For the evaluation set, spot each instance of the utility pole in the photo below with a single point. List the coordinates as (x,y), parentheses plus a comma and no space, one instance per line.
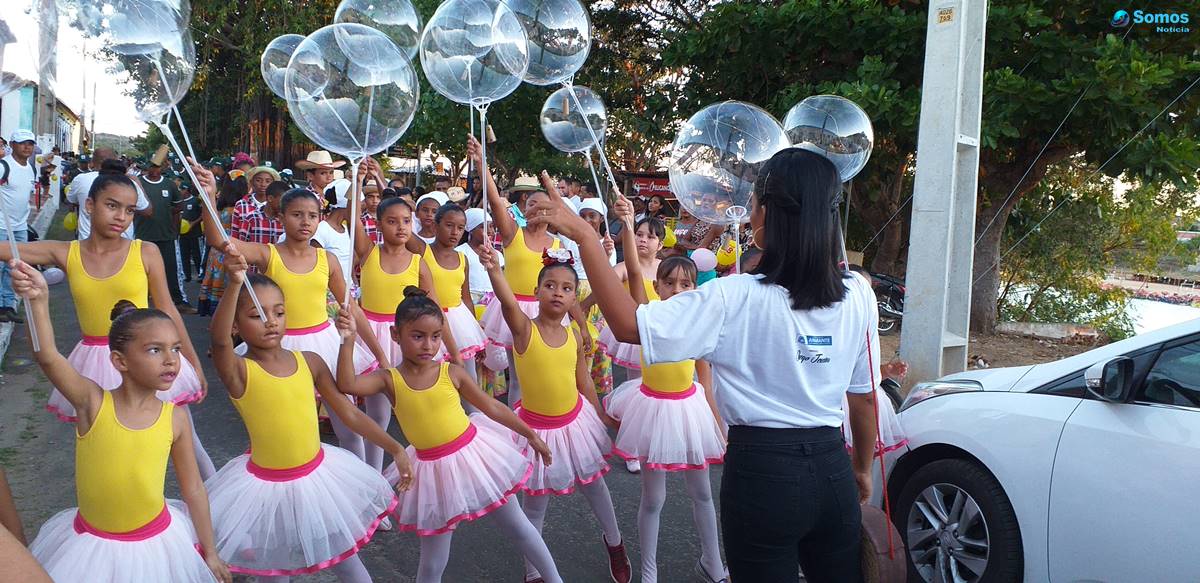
(937,302)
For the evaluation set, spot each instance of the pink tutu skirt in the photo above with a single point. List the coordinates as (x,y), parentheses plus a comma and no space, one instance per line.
(665,431)
(496,329)
(891,434)
(621,353)
(381,326)
(91,359)
(299,520)
(468,335)
(70,550)
(579,447)
(461,480)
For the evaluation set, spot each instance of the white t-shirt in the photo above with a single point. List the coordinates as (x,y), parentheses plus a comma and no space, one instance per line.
(336,243)
(77,193)
(14,194)
(477,276)
(772,366)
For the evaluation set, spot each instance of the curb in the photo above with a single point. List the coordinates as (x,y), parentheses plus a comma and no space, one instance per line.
(40,223)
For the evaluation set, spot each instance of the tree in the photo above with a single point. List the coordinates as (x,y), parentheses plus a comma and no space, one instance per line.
(1040,58)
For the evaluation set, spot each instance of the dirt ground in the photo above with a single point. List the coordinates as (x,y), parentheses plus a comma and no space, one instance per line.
(1001,349)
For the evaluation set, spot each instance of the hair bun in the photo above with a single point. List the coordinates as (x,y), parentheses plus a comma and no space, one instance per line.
(413,291)
(121,308)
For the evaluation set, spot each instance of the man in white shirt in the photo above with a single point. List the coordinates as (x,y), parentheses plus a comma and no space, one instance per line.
(19,177)
(77,194)
(479,283)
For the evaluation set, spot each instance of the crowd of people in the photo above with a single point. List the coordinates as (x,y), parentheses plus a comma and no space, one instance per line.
(490,329)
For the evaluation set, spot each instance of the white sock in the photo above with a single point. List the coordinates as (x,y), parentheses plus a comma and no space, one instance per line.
(529,541)
(704,514)
(600,500)
(352,570)
(654,495)
(535,511)
(435,555)
(379,409)
(347,438)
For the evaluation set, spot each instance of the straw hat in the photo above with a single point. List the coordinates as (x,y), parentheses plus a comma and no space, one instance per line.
(319,159)
(456,194)
(525,183)
(261,169)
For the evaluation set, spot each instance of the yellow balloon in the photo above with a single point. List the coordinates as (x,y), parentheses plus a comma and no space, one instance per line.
(727,254)
(184,226)
(670,240)
(71,221)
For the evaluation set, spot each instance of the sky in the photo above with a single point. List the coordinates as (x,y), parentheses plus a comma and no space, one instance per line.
(115,113)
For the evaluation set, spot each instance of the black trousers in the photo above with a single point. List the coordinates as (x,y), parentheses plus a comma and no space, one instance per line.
(788,500)
(189,249)
(167,249)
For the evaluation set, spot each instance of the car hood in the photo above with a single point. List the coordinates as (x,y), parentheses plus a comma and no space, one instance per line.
(993,379)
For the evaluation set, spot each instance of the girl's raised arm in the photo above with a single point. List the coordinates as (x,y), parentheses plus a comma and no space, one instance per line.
(505,224)
(183,457)
(230,367)
(633,263)
(348,381)
(39,252)
(83,394)
(518,322)
(255,253)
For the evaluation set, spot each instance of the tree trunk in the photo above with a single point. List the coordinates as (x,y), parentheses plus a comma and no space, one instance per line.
(985,273)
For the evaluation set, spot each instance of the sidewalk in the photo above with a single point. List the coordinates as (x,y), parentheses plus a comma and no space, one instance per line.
(41,224)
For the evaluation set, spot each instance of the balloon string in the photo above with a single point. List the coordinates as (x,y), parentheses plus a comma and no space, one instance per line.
(596,143)
(212,211)
(354,218)
(484,173)
(344,126)
(187,140)
(367,136)
(16,254)
(596,181)
(737,247)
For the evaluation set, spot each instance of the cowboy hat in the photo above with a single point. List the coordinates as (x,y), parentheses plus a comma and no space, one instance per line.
(319,159)
(261,169)
(525,183)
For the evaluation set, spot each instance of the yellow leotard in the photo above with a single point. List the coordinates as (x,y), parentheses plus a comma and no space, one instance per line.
(303,293)
(280,416)
(119,472)
(95,297)
(548,375)
(669,377)
(522,265)
(382,291)
(651,293)
(429,417)
(446,282)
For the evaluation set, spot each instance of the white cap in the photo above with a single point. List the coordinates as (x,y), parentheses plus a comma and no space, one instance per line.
(436,195)
(22,136)
(341,189)
(593,204)
(571,203)
(474,219)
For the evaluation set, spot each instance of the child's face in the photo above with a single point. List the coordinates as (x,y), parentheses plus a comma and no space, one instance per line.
(647,242)
(152,356)
(451,228)
(396,224)
(253,330)
(556,291)
(675,282)
(371,201)
(112,210)
(593,218)
(426,213)
(300,219)
(419,339)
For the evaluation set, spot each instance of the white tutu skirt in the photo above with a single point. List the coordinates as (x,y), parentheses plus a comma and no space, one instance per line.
(324,341)
(306,522)
(92,361)
(462,480)
(891,434)
(468,335)
(496,329)
(383,331)
(579,448)
(72,555)
(669,432)
(621,353)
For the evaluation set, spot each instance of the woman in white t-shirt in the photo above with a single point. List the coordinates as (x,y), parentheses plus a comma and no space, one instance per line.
(786,344)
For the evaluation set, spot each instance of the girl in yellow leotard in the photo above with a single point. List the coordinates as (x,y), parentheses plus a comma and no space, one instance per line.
(669,423)
(647,235)
(124,530)
(465,466)
(291,505)
(550,360)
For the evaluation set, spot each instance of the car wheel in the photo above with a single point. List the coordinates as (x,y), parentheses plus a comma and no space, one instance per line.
(958,525)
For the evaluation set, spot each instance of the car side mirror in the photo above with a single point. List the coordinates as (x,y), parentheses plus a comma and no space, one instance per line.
(1110,380)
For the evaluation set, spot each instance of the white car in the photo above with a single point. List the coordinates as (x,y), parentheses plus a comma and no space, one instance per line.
(1083,469)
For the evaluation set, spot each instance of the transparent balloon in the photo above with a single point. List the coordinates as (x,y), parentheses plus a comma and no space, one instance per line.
(350,89)
(716,157)
(159,78)
(30,53)
(559,36)
(275,59)
(133,27)
(397,19)
(474,51)
(834,127)
(563,123)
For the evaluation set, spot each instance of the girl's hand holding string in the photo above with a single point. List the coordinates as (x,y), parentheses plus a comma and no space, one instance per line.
(624,210)
(487,257)
(554,212)
(346,326)
(609,247)
(27,282)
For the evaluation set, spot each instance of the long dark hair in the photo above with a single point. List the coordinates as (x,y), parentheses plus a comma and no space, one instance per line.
(798,190)
(232,191)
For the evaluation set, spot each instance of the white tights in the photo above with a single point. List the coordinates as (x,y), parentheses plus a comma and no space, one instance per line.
(379,409)
(351,570)
(598,498)
(435,550)
(347,438)
(514,384)
(704,514)
(203,461)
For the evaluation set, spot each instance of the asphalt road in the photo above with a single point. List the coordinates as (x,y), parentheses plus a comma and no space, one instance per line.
(37,452)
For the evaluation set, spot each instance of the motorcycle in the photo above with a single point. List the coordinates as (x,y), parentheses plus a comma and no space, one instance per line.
(889,295)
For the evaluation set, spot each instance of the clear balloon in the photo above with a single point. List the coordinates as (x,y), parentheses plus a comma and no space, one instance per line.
(559,36)
(397,19)
(134,27)
(474,51)
(834,127)
(350,89)
(275,59)
(562,119)
(161,77)
(716,157)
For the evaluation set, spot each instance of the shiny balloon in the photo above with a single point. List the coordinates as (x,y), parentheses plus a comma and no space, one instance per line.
(562,119)
(716,157)
(275,59)
(559,36)
(160,77)
(350,89)
(474,51)
(397,19)
(705,259)
(834,127)
(133,27)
